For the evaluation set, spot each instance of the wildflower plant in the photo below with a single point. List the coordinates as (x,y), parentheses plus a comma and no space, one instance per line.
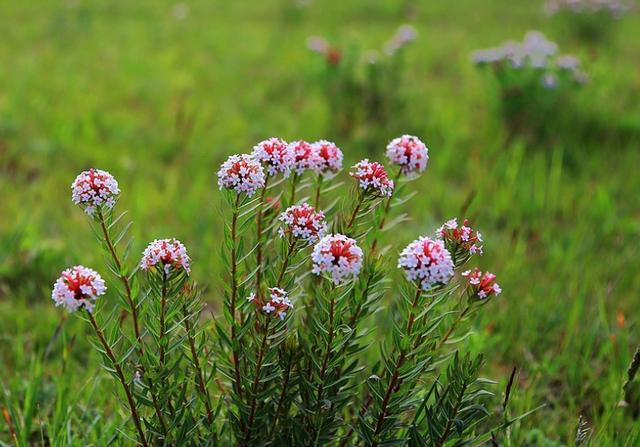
(590,20)
(361,87)
(533,81)
(294,356)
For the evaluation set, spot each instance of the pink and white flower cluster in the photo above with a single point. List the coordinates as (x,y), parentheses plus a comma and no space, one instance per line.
(409,153)
(305,156)
(337,255)
(77,288)
(166,254)
(458,238)
(241,173)
(303,222)
(535,52)
(278,304)
(372,178)
(426,262)
(329,157)
(614,7)
(94,188)
(276,155)
(482,285)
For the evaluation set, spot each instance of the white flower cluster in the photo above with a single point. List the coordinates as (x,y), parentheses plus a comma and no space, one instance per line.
(305,156)
(614,7)
(303,222)
(279,303)
(242,173)
(337,255)
(372,178)
(329,157)
(94,188)
(168,254)
(77,288)
(535,52)
(427,262)
(409,153)
(276,155)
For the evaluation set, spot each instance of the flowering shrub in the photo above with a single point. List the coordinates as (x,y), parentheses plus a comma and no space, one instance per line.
(286,365)
(533,80)
(591,20)
(362,88)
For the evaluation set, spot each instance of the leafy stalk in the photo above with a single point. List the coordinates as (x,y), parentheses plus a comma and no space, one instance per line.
(121,377)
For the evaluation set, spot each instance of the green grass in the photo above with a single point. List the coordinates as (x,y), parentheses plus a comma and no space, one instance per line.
(160,102)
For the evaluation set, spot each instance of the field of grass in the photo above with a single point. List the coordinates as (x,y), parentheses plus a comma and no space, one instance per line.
(159,93)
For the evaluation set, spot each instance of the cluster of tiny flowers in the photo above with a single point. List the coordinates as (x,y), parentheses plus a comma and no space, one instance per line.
(337,255)
(536,52)
(169,254)
(242,173)
(372,178)
(276,155)
(78,287)
(94,188)
(482,285)
(463,237)
(278,304)
(614,7)
(409,153)
(403,36)
(329,159)
(426,261)
(305,156)
(303,222)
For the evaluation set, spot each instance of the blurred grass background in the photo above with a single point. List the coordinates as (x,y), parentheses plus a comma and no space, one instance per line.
(159,93)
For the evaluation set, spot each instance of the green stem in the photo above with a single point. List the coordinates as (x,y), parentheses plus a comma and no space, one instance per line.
(163,305)
(121,275)
(259,214)
(461,315)
(256,383)
(387,206)
(119,372)
(316,203)
(356,209)
(234,295)
(196,364)
(396,371)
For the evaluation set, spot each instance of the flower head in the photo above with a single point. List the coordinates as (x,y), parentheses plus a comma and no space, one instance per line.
(305,157)
(278,303)
(78,287)
(372,178)
(409,153)
(427,262)
(242,173)
(329,157)
(482,286)
(460,240)
(94,188)
(337,255)
(168,254)
(276,155)
(303,222)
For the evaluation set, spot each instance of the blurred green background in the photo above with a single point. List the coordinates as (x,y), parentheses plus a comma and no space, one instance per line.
(159,93)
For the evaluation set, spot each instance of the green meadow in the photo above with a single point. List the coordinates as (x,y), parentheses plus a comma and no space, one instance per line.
(159,93)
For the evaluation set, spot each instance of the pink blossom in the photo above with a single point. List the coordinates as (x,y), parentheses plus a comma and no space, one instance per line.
(167,254)
(94,188)
(77,288)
